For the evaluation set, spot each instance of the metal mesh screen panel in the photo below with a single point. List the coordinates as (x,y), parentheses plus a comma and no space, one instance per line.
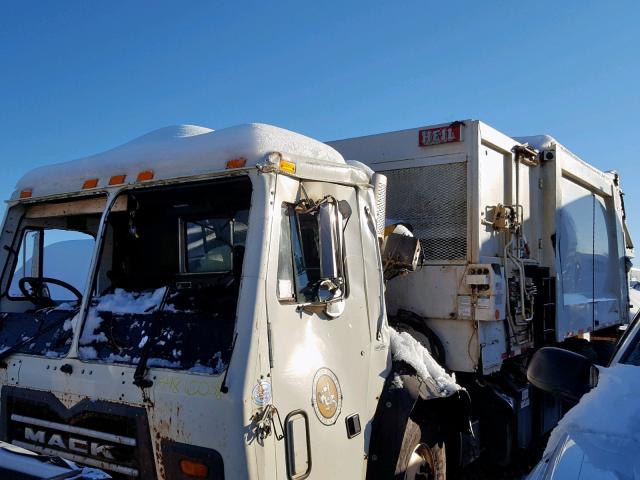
(433,199)
(380,182)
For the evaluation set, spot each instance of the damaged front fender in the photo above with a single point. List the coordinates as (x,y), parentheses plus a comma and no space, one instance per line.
(406,395)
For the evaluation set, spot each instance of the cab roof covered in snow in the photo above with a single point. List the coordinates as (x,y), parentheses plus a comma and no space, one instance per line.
(176,152)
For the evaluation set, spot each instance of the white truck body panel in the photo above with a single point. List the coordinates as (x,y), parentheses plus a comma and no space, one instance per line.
(444,190)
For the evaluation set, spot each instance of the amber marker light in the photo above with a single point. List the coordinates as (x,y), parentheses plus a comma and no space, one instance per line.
(26,193)
(287,166)
(194,469)
(117,179)
(91,183)
(145,176)
(236,163)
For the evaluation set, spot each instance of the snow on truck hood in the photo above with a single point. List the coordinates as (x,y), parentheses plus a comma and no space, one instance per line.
(176,151)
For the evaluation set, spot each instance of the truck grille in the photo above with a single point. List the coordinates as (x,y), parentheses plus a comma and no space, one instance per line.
(433,199)
(112,437)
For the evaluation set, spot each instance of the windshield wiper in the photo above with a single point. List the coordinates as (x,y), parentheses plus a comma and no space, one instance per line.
(157,322)
(18,346)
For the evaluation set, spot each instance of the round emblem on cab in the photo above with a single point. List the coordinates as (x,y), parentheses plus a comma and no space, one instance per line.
(327,396)
(261,393)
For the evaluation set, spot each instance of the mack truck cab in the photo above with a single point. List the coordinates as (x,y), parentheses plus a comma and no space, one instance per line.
(206,304)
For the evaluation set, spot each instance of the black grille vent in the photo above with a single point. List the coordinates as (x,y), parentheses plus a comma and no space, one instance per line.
(433,199)
(105,435)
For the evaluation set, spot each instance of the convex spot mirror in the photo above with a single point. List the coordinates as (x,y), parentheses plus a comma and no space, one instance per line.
(562,373)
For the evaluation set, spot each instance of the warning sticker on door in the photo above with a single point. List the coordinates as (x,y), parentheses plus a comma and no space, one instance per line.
(484,301)
(464,306)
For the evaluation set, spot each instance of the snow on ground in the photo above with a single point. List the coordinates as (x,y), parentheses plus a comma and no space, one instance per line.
(606,422)
(407,349)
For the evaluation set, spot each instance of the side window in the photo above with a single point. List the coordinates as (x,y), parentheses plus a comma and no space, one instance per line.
(311,252)
(60,254)
(26,266)
(210,243)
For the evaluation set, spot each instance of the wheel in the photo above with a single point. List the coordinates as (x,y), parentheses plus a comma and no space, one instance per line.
(39,293)
(420,457)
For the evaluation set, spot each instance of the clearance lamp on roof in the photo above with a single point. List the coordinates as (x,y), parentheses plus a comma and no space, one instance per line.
(287,167)
(26,193)
(91,183)
(236,163)
(279,163)
(145,175)
(117,179)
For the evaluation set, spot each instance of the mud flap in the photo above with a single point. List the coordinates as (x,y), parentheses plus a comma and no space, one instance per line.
(395,406)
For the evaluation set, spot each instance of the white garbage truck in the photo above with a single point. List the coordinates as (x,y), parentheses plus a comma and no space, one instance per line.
(211,304)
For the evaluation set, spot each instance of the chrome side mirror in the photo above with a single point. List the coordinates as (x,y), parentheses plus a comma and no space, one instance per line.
(327,291)
(330,229)
(329,241)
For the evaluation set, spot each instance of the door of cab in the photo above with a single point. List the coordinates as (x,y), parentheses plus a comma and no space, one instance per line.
(319,374)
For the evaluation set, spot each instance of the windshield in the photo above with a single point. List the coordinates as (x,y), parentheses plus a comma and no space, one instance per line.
(189,239)
(45,274)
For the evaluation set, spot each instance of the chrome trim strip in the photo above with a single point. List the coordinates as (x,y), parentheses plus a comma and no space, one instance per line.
(109,437)
(78,458)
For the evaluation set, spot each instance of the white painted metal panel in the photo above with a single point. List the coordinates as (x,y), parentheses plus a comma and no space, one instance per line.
(491,173)
(431,291)
(492,338)
(461,343)
(589,293)
(606,283)
(575,256)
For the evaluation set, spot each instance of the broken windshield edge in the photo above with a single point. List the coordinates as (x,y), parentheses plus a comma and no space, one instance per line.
(50,247)
(152,247)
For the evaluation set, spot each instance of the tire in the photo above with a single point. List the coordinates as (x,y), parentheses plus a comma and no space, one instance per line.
(420,457)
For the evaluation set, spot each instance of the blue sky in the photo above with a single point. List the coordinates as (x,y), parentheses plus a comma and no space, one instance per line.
(78,77)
